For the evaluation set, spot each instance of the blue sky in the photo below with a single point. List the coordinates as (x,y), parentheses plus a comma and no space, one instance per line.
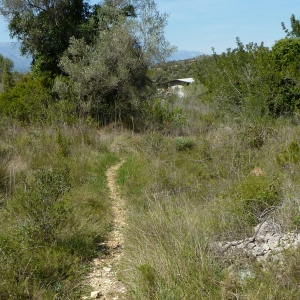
(199,25)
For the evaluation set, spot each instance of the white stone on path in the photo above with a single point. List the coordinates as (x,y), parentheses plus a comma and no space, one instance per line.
(95,294)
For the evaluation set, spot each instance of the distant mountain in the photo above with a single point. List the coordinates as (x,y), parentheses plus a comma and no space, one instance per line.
(22,63)
(184,54)
(12,51)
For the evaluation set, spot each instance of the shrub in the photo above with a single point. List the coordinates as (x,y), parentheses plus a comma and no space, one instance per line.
(58,209)
(253,81)
(27,101)
(254,195)
(238,79)
(291,154)
(286,53)
(256,135)
(163,113)
(43,210)
(184,143)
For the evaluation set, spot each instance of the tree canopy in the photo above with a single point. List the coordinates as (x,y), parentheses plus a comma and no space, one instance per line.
(97,55)
(109,74)
(44,27)
(6,63)
(295,31)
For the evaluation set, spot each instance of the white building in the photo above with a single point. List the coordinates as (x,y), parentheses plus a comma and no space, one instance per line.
(176,85)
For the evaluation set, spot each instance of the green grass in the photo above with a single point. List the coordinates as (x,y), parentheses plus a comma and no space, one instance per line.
(55,209)
(184,187)
(180,201)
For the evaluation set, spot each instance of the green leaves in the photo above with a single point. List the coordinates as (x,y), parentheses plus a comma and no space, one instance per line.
(6,63)
(148,30)
(27,101)
(44,211)
(286,53)
(253,81)
(295,24)
(238,76)
(108,76)
(45,27)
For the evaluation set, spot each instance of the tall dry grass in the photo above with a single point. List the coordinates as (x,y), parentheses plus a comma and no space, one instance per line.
(185,187)
(183,192)
(55,208)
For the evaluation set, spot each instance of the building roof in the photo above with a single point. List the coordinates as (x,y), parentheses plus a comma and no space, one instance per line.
(183,80)
(187,80)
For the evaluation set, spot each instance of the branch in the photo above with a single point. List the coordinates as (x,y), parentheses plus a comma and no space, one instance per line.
(36,6)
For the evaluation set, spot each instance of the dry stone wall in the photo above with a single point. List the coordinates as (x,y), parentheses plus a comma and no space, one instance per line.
(267,243)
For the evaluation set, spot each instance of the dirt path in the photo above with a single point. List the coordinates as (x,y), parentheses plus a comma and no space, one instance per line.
(103,278)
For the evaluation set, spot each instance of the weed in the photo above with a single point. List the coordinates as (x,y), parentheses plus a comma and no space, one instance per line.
(289,155)
(183,143)
(63,145)
(41,205)
(255,135)
(148,278)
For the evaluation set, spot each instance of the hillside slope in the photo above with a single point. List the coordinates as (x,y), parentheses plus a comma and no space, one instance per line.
(11,51)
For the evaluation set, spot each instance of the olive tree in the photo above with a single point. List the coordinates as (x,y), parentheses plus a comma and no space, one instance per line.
(108,76)
(148,30)
(44,28)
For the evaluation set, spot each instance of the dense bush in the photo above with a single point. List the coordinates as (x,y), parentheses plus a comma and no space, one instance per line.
(238,79)
(252,80)
(286,53)
(27,101)
(254,195)
(163,113)
(42,206)
(289,155)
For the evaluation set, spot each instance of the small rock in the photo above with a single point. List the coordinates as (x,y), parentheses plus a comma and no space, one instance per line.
(277,236)
(266,247)
(96,295)
(234,243)
(258,251)
(241,246)
(105,269)
(251,239)
(219,244)
(268,236)
(278,249)
(251,245)
(260,239)
(273,244)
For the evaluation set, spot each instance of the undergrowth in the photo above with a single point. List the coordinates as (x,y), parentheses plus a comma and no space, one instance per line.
(54,211)
(185,192)
(185,188)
